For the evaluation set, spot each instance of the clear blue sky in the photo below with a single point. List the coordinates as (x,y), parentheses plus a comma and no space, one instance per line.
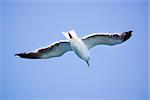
(117,73)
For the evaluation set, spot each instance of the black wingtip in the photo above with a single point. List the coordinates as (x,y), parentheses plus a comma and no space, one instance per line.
(126,35)
(17,55)
(130,31)
(28,55)
(21,55)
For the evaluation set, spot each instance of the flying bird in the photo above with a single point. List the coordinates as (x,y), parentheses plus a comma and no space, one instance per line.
(80,46)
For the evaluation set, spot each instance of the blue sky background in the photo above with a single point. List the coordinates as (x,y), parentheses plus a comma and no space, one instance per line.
(118,72)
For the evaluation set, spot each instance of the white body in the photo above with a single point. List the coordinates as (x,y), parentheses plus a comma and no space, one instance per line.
(78,46)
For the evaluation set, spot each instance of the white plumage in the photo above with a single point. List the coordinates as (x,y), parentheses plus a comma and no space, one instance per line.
(80,46)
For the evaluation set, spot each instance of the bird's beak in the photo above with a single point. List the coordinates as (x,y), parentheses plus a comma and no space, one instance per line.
(88,63)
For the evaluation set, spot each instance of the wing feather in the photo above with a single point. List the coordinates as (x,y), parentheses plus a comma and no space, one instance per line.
(54,50)
(105,38)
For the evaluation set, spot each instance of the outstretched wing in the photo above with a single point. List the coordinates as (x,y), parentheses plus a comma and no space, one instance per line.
(54,50)
(106,38)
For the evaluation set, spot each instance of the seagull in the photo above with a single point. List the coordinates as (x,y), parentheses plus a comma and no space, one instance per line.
(80,46)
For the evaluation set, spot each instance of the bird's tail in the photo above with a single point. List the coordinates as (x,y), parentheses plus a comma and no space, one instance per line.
(66,35)
(70,34)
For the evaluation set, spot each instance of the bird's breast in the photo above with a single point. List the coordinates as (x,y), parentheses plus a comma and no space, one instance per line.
(80,49)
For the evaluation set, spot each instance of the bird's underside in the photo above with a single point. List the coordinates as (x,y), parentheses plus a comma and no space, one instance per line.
(59,48)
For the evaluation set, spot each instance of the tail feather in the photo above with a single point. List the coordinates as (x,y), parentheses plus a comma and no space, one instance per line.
(66,35)
(73,34)
(70,34)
